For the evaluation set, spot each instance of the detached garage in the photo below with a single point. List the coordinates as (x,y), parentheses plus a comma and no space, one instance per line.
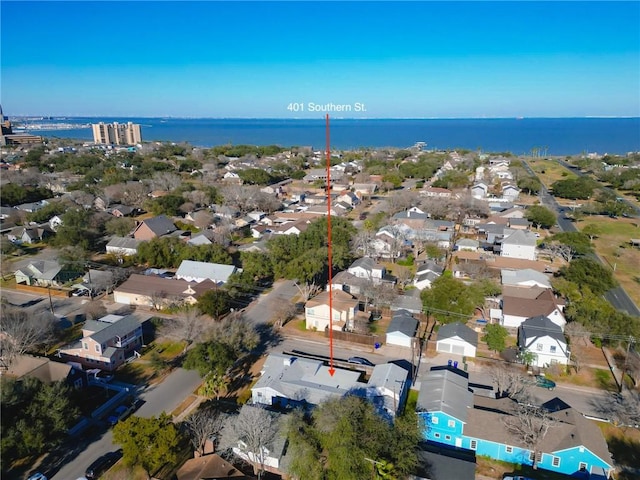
(457,339)
(402,329)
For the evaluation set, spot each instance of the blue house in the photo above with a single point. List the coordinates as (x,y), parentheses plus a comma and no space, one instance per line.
(453,416)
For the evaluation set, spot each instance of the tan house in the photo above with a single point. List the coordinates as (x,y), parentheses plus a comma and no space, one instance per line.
(105,343)
(158,292)
(209,467)
(154,227)
(344,306)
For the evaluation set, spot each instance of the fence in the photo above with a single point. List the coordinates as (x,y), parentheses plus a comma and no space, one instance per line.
(44,291)
(356,337)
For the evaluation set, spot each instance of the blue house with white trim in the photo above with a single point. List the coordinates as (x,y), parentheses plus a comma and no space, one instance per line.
(454,417)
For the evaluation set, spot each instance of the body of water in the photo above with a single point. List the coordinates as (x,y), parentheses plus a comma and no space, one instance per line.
(558,136)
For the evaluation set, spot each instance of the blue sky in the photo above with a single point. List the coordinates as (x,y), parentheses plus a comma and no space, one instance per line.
(252,59)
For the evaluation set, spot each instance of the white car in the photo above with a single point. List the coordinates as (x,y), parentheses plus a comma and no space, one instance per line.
(37,476)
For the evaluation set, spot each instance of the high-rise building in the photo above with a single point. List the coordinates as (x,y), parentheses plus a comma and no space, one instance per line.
(116,133)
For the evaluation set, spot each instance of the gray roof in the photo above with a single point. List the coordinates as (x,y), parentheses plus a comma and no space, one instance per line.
(540,326)
(392,378)
(305,379)
(403,322)
(105,331)
(160,225)
(411,215)
(410,301)
(366,263)
(458,329)
(516,277)
(520,237)
(429,265)
(216,272)
(200,239)
(427,276)
(446,391)
(467,242)
(41,269)
(123,242)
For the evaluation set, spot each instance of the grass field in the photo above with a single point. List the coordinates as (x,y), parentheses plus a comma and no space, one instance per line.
(614,248)
(549,171)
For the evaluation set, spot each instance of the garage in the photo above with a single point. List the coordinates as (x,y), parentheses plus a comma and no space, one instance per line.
(457,339)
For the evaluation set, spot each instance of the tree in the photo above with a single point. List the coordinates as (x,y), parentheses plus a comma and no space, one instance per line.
(210,358)
(120,227)
(235,332)
(213,385)
(530,424)
(21,331)
(578,243)
(253,432)
(215,303)
(149,443)
(530,185)
(495,337)
(541,216)
(510,382)
(588,272)
(527,357)
(449,299)
(580,188)
(203,425)
(75,230)
(187,325)
(345,437)
(592,230)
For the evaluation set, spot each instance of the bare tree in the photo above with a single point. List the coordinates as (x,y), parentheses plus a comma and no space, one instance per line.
(579,337)
(530,424)
(308,290)
(166,181)
(202,219)
(251,433)
(361,243)
(135,194)
(235,331)
(94,310)
(284,312)
(22,331)
(439,208)
(188,325)
(202,426)
(510,382)
(222,233)
(400,200)
(622,409)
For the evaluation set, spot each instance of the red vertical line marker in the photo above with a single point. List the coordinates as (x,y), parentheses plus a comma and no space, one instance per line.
(329,242)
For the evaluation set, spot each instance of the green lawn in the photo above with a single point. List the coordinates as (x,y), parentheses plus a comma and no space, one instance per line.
(549,171)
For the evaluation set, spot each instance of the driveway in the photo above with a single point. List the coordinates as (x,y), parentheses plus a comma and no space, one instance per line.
(262,310)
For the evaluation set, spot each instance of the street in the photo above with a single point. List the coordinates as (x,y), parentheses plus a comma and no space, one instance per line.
(262,310)
(617,296)
(163,397)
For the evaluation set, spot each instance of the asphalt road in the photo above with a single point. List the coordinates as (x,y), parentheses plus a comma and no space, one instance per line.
(617,296)
(164,397)
(262,310)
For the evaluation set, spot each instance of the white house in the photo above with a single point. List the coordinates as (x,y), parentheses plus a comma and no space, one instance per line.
(520,244)
(545,340)
(520,303)
(479,190)
(317,316)
(426,273)
(193,271)
(468,245)
(366,267)
(123,246)
(402,329)
(458,339)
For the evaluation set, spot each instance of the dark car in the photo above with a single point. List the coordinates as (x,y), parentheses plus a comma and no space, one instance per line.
(361,361)
(102,464)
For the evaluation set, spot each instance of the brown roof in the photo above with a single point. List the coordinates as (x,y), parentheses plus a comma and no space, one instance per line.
(522,292)
(494,261)
(543,304)
(150,284)
(208,467)
(341,300)
(41,368)
(486,420)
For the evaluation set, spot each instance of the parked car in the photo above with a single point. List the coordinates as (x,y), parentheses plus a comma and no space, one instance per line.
(37,476)
(516,477)
(120,413)
(361,361)
(102,464)
(544,382)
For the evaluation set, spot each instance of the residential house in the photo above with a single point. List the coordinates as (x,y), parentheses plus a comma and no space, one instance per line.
(545,340)
(426,273)
(519,244)
(479,190)
(317,315)
(454,417)
(349,283)
(20,235)
(520,303)
(198,272)
(123,246)
(209,467)
(46,370)
(157,292)
(201,238)
(287,381)
(526,277)
(154,227)
(436,192)
(54,222)
(467,244)
(518,223)
(350,198)
(42,273)
(410,302)
(121,211)
(402,329)
(364,189)
(32,206)
(458,339)
(510,192)
(367,268)
(106,343)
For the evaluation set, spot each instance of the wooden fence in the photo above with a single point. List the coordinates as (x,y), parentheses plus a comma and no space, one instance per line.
(44,291)
(356,337)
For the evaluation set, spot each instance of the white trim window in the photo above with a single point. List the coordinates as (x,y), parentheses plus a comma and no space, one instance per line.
(555,461)
(473,445)
(508,449)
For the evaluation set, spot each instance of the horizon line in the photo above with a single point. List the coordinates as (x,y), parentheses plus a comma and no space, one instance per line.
(187,117)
